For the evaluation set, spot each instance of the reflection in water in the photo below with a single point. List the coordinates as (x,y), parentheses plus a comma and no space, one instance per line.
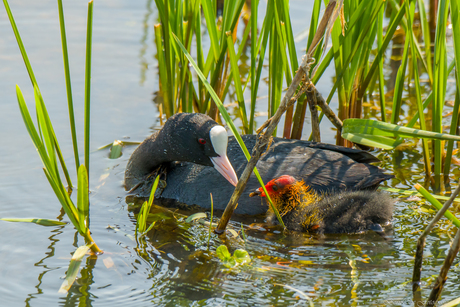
(80,292)
(332,269)
(42,263)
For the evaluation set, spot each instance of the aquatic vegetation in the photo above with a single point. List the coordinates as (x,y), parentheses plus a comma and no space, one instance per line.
(239,257)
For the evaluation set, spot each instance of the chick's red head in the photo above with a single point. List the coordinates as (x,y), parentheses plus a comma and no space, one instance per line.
(275,186)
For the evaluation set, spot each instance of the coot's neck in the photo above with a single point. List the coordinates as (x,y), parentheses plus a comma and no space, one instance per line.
(184,137)
(150,154)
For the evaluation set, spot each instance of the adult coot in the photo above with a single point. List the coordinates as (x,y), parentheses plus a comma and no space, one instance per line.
(302,209)
(189,145)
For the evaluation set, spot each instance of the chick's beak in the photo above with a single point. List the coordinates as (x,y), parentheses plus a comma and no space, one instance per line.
(223,166)
(257,192)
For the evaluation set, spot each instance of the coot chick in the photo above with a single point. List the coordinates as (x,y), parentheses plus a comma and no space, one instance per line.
(323,167)
(302,209)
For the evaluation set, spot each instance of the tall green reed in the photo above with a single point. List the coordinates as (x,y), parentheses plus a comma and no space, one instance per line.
(413,64)
(44,137)
(220,64)
(362,39)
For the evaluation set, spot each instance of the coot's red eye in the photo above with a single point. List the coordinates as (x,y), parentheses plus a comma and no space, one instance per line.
(201,141)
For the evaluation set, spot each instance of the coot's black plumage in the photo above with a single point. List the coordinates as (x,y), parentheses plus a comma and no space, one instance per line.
(343,212)
(323,167)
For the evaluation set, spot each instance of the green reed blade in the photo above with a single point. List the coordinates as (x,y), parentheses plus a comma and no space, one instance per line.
(115,149)
(238,56)
(261,47)
(89,35)
(82,198)
(380,68)
(426,38)
(388,37)
(232,10)
(196,216)
(374,127)
(68,84)
(371,140)
(20,44)
(216,75)
(199,50)
(275,74)
(162,67)
(209,63)
(65,201)
(74,268)
(53,146)
(289,35)
(437,204)
(454,121)
(210,221)
(44,126)
(395,5)
(227,119)
(42,222)
(142,219)
(168,104)
(237,80)
(210,17)
(412,192)
(399,83)
(214,97)
(428,99)
(342,77)
(150,228)
(347,52)
(253,24)
(146,206)
(418,92)
(292,118)
(453,130)
(280,32)
(439,88)
(31,129)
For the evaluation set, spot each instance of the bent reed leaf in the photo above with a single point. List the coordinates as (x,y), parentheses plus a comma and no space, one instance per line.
(74,267)
(367,130)
(42,222)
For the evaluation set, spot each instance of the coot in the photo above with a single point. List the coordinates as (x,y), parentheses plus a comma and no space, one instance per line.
(302,209)
(189,145)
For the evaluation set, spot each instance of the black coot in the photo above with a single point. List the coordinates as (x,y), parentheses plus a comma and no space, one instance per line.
(302,209)
(199,143)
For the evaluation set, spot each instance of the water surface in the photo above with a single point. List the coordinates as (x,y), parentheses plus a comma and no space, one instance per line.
(175,267)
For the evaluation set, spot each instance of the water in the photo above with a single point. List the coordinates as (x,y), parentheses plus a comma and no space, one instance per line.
(175,267)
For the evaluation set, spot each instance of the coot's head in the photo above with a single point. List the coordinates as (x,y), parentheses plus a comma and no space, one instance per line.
(195,137)
(275,187)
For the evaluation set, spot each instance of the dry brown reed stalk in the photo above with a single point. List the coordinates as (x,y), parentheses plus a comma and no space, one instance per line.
(416,276)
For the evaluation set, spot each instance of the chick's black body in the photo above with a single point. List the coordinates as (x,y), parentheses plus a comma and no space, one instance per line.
(344,212)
